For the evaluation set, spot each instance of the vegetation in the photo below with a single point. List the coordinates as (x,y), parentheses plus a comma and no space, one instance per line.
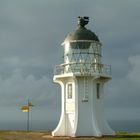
(22,135)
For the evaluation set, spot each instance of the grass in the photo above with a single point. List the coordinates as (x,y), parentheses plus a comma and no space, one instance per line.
(35,135)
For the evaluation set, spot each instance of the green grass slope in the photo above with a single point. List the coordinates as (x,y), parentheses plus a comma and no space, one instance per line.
(35,135)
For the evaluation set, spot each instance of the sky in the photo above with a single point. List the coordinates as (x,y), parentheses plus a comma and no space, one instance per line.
(31,33)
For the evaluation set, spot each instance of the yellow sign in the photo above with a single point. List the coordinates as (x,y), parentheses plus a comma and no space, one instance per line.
(25,108)
(30,104)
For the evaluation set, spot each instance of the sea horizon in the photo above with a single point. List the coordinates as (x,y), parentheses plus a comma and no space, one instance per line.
(117,125)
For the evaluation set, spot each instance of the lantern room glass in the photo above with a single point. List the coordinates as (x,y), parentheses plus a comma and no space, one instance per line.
(82,55)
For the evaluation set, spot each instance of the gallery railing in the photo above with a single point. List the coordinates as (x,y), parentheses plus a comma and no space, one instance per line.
(83,68)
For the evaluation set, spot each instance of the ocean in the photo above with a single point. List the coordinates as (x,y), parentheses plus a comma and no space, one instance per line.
(118,126)
(125,125)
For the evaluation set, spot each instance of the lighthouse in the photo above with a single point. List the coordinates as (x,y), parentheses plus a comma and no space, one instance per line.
(82,77)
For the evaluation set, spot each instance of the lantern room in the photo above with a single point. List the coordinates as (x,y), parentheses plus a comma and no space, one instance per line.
(82,52)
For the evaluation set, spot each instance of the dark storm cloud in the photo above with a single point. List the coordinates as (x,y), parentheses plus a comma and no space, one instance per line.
(30,36)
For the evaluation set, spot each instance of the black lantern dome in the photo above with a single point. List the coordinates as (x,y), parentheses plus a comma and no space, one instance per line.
(81,33)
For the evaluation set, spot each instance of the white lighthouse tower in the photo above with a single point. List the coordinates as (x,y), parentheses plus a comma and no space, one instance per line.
(82,77)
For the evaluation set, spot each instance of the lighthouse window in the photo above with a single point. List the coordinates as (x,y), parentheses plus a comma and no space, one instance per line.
(98,90)
(69,91)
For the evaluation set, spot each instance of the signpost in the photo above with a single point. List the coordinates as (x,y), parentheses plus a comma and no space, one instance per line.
(26,109)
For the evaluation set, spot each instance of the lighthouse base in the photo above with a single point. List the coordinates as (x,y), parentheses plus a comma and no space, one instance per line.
(82,111)
(85,127)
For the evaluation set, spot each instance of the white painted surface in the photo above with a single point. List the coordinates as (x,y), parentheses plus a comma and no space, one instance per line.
(83,114)
(79,118)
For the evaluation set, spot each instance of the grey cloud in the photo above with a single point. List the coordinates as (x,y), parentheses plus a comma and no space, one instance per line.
(16,89)
(125,91)
(30,36)
(133,75)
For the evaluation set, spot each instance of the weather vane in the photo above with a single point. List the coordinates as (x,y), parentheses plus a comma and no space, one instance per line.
(82,21)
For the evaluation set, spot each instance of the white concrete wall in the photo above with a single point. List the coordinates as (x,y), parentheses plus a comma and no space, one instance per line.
(60,129)
(83,118)
(87,123)
(66,125)
(91,120)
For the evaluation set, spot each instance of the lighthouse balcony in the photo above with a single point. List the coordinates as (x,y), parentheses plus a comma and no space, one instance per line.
(83,69)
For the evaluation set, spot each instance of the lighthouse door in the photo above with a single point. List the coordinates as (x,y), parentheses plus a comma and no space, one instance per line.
(69,123)
(70,117)
(70,108)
